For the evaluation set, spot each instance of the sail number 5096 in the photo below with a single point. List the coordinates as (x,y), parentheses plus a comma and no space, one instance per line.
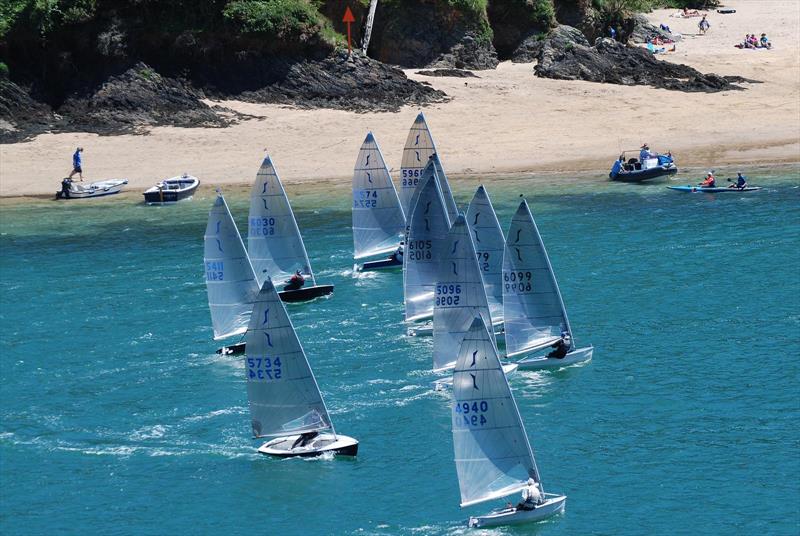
(473,414)
(448,294)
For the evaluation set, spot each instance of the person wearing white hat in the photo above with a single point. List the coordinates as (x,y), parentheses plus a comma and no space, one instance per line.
(531,496)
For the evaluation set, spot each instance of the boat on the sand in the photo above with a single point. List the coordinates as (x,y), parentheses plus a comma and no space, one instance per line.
(171,190)
(73,190)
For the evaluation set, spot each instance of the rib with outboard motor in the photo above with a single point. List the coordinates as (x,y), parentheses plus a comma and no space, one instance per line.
(273,239)
(285,400)
(493,456)
(378,219)
(534,313)
(230,280)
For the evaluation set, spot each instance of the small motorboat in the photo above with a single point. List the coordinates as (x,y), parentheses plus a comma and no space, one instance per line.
(714,189)
(172,190)
(629,168)
(72,190)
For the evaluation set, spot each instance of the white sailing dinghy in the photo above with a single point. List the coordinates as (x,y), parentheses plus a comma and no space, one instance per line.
(493,456)
(273,239)
(459,296)
(230,280)
(285,401)
(419,148)
(427,237)
(534,313)
(489,246)
(378,218)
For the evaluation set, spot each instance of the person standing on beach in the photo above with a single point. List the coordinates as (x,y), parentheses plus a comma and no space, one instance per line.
(704,25)
(76,164)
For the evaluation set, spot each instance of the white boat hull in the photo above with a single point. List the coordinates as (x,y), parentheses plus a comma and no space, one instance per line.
(338,444)
(511,516)
(97,189)
(541,362)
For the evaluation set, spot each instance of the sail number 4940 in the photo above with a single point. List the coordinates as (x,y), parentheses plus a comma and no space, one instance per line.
(472,414)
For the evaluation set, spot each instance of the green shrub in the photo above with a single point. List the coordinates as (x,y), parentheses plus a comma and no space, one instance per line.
(3,70)
(277,17)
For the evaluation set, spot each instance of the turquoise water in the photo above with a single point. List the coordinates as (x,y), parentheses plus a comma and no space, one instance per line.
(119,418)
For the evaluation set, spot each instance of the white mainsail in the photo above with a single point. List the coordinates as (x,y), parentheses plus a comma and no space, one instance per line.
(281,388)
(417,151)
(489,245)
(492,453)
(427,234)
(273,239)
(378,219)
(534,313)
(230,281)
(459,296)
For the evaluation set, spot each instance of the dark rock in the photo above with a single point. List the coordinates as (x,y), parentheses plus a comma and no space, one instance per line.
(349,82)
(21,117)
(469,53)
(137,98)
(564,56)
(644,31)
(456,73)
(529,50)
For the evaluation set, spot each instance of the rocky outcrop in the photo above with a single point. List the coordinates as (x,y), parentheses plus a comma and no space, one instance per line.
(565,56)
(455,73)
(560,37)
(644,31)
(515,21)
(340,81)
(20,115)
(469,53)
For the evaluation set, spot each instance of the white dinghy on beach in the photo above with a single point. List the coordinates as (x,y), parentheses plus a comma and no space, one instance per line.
(534,314)
(493,456)
(285,402)
(378,218)
(230,280)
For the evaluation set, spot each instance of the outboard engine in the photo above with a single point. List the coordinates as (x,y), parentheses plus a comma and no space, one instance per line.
(66,185)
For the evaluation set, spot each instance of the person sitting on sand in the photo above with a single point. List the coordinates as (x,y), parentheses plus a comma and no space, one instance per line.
(295,282)
(764,41)
(709,182)
(741,182)
(692,13)
(704,25)
(665,28)
(76,164)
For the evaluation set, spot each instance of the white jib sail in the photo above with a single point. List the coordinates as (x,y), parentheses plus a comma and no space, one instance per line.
(459,295)
(273,239)
(534,312)
(230,281)
(418,149)
(378,219)
(492,453)
(427,236)
(489,245)
(444,186)
(281,388)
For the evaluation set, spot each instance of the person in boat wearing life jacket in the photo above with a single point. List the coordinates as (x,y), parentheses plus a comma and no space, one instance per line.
(304,439)
(531,496)
(296,281)
(561,346)
(397,256)
(741,182)
(709,182)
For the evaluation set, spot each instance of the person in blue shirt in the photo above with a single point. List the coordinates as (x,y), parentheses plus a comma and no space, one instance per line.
(76,164)
(645,153)
(612,33)
(741,182)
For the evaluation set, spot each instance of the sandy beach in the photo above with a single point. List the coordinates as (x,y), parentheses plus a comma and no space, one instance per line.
(506,121)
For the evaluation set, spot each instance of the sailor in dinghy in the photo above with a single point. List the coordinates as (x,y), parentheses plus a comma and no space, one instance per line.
(285,400)
(492,453)
(534,314)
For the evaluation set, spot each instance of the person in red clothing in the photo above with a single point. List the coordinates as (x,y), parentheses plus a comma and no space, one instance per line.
(296,281)
(710,181)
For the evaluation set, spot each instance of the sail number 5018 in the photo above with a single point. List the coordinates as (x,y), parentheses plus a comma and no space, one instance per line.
(473,414)
(518,281)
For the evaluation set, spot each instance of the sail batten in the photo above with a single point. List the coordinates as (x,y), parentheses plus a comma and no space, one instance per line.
(424,247)
(231,283)
(533,308)
(378,217)
(282,392)
(274,242)
(459,295)
(492,453)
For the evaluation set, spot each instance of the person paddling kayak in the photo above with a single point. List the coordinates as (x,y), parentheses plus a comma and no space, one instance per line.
(709,182)
(741,182)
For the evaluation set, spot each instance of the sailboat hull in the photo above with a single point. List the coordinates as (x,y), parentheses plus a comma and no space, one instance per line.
(282,447)
(541,362)
(511,516)
(383,264)
(305,293)
(233,349)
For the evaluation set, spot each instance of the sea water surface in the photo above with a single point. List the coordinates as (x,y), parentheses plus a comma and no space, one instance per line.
(117,417)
